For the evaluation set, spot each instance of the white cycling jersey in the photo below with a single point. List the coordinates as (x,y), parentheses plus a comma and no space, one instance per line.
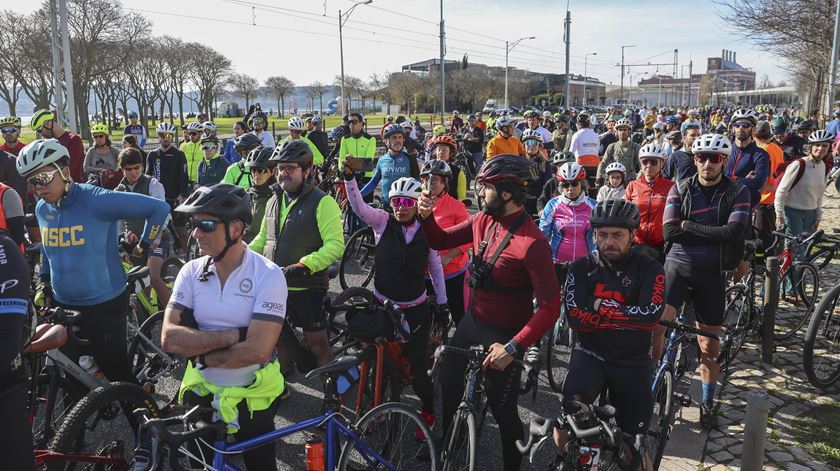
(585,142)
(255,290)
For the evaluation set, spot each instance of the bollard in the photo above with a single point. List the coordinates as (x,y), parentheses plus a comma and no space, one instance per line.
(755,431)
(771,302)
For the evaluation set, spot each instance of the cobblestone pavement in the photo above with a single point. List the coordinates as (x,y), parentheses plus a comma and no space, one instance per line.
(789,392)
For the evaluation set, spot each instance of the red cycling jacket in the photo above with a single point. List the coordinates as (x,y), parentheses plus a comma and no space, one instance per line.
(650,198)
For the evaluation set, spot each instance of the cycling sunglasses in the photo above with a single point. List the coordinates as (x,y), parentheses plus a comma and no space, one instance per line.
(713,158)
(742,124)
(206,226)
(8,130)
(403,203)
(208,147)
(192,133)
(42,179)
(646,162)
(532,143)
(259,170)
(353,121)
(569,184)
(165,135)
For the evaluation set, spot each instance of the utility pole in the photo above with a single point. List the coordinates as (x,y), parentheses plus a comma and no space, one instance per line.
(443,69)
(341,20)
(690,66)
(509,47)
(65,102)
(585,57)
(567,37)
(832,75)
(621,89)
(674,82)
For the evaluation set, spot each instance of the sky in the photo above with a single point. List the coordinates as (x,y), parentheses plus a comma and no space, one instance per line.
(299,39)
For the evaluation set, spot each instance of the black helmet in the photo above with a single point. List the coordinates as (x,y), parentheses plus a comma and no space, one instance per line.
(507,168)
(392,129)
(223,200)
(583,118)
(246,141)
(259,158)
(293,151)
(399,119)
(562,157)
(436,167)
(210,139)
(615,213)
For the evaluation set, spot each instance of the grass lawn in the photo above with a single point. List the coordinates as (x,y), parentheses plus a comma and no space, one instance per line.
(818,432)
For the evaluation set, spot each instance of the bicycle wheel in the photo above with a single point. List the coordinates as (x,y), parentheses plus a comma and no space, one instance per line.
(62,399)
(821,352)
(336,322)
(357,263)
(736,319)
(101,423)
(150,363)
(821,254)
(388,430)
(460,441)
(558,352)
(170,269)
(659,428)
(192,251)
(390,387)
(802,282)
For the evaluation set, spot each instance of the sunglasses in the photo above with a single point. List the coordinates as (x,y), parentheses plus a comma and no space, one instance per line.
(741,124)
(712,158)
(646,162)
(259,170)
(401,202)
(193,133)
(208,147)
(287,168)
(42,179)
(532,143)
(569,184)
(99,136)
(166,135)
(8,130)
(206,226)
(353,121)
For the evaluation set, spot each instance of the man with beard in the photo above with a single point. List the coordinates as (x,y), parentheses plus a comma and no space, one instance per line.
(499,313)
(301,232)
(705,219)
(749,164)
(614,301)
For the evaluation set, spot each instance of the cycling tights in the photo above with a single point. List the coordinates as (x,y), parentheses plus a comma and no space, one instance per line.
(416,351)
(455,295)
(502,386)
(16,446)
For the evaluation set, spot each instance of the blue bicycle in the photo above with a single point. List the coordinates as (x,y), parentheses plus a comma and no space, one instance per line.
(384,438)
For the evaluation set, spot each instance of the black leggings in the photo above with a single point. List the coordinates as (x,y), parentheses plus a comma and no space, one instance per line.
(502,386)
(16,445)
(249,427)
(416,350)
(454,296)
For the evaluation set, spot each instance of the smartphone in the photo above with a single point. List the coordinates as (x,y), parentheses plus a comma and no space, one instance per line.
(360,165)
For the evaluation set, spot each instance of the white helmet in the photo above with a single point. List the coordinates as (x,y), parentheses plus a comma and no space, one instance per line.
(623,123)
(531,134)
(295,124)
(821,135)
(211,126)
(406,187)
(616,167)
(652,149)
(504,121)
(166,128)
(744,113)
(712,144)
(38,154)
(571,171)
(407,125)
(195,126)
(547,114)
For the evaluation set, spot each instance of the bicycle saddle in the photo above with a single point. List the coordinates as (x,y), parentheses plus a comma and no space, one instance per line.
(136,273)
(47,337)
(339,365)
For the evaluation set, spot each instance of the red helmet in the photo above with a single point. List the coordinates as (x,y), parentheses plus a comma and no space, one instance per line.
(448,140)
(507,168)
(571,171)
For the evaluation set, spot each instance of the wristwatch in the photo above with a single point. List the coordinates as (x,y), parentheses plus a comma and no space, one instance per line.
(512,348)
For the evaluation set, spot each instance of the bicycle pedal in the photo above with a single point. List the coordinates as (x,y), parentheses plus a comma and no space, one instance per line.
(683,399)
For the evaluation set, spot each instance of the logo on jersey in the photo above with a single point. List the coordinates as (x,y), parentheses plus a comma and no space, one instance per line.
(153,233)
(246,285)
(626,281)
(8,284)
(273,307)
(62,236)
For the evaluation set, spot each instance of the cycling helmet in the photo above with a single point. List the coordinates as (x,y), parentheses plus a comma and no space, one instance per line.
(166,128)
(744,113)
(571,171)
(210,139)
(562,157)
(99,128)
(392,129)
(436,167)
(10,121)
(821,135)
(222,200)
(507,168)
(246,141)
(547,114)
(623,123)
(439,130)
(615,167)
(195,126)
(210,126)
(836,113)
(659,127)
(530,114)
(399,119)
(260,157)
(806,124)
(455,112)
(39,153)
(132,114)
(712,144)
(503,121)
(583,118)
(296,124)
(316,120)
(471,118)
(627,114)
(445,140)
(39,118)
(293,151)
(672,120)
(428,136)
(615,213)
(389,118)
(652,149)
(531,134)
(407,125)
(405,187)
(673,135)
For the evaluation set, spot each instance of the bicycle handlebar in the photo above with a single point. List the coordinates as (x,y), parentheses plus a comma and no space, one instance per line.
(693,330)
(540,428)
(174,440)
(478,354)
(68,319)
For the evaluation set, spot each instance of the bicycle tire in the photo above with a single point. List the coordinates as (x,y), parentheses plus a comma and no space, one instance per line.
(336,324)
(825,323)
(192,251)
(358,259)
(398,434)
(390,390)
(820,255)
(805,294)
(169,270)
(662,417)
(74,436)
(462,436)
(736,319)
(66,396)
(558,352)
(146,363)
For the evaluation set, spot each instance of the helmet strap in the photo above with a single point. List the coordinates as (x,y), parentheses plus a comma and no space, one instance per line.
(229,242)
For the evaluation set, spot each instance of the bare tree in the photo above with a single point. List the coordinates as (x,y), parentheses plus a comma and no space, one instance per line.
(280,87)
(244,86)
(764,83)
(208,76)
(28,34)
(318,89)
(402,87)
(9,90)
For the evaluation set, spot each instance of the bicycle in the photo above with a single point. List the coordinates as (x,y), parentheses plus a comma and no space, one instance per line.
(382,439)
(823,250)
(799,284)
(743,310)
(559,343)
(359,259)
(461,440)
(821,351)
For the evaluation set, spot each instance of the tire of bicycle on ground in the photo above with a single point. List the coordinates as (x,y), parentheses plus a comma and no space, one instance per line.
(821,351)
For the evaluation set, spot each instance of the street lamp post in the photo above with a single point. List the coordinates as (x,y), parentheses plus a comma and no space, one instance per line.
(342,18)
(509,47)
(621,93)
(585,57)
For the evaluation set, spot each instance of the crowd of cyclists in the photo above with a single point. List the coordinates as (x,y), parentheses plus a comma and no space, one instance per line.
(618,218)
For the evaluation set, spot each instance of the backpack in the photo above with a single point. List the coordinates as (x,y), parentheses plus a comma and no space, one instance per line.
(779,172)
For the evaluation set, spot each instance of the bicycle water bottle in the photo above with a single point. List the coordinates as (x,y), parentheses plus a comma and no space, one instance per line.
(89,364)
(343,383)
(314,453)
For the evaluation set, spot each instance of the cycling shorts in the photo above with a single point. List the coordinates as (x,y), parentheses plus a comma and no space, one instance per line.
(305,309)
(628,388)
(704,288)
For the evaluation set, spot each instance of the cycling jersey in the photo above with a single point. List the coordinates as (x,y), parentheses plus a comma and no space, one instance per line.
(632,294)
(626,154)
(211,171)
(585,145)
(449,212)
(389,168)
(457,187)
(76,148)
(138,131)
(231,155)
(317,157)
(79,241)
(259,197)
(14,150)
(679,165)
(504,145)
(169,166)
(193,153)
(266,139)
(237,174)
(746,160)
(321,141)
(651,199)
(565,224)
(776,157)
(256,290)
(12,214)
